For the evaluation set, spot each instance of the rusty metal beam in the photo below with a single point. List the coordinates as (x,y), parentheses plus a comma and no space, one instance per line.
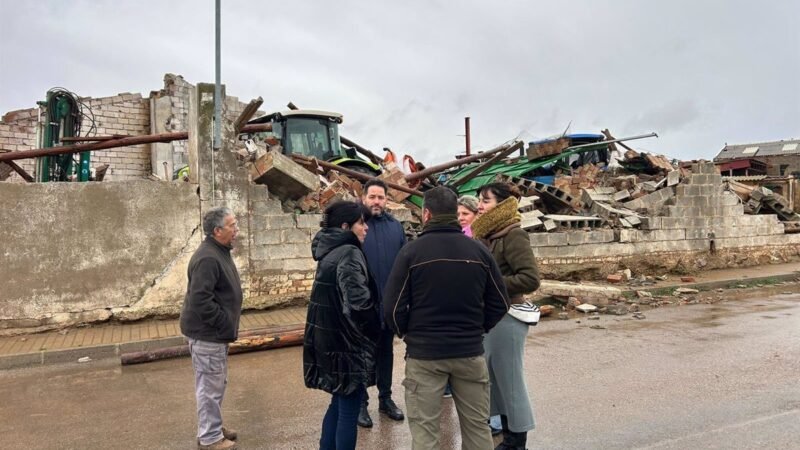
(249,341)
(93,138)
(115,142)
(20,171)
(247,114)
(458,162)
(486,164)
(312,162)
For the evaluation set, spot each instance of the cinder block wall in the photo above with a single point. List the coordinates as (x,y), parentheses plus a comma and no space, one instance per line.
(698,213)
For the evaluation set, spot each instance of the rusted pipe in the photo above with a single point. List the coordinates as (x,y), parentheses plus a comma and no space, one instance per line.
(249,341)
(486,164)
(457,162)
(115,143)
(20,171)
(351,173)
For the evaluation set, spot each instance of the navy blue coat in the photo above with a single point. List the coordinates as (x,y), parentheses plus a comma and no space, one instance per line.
(385,238)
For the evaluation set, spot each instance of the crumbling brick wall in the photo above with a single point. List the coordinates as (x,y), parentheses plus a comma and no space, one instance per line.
(125,114)
(18,132)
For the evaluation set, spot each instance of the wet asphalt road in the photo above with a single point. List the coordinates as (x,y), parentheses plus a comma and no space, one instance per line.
(725,375)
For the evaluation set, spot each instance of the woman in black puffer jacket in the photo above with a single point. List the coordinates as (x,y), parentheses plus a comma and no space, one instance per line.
(342,324)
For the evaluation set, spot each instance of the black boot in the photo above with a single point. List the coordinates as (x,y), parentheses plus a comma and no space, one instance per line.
(388,407)
(364,420)
(511,440)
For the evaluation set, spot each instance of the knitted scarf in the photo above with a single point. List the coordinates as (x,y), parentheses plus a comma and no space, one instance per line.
(501,216)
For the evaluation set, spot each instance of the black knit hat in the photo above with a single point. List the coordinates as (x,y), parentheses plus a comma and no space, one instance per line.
(344,212)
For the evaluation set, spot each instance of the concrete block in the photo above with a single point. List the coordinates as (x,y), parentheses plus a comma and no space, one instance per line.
(736,210)
(673,178)
(265,207)
(283,177)
(280,221)
(280,251)
(633,220)
(622,195)
(628,235)
(704,167)
(527,204)
(530,221)
(651,223)
(548,239)
(309,220)
(267,265)
(295,236)
(549,225)
(302,264)
(266,237)
(576,237)
(599,236)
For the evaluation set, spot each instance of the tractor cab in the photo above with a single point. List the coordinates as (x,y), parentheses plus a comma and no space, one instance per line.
(314,134)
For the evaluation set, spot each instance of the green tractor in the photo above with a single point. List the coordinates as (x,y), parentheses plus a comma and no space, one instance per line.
(314,134)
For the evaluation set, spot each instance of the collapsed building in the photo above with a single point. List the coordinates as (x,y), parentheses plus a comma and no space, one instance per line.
(118,249)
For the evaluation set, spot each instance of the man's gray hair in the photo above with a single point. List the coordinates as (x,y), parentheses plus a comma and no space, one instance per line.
(215,218)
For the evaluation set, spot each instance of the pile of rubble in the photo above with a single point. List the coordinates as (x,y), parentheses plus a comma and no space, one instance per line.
(309,186)
(761,200)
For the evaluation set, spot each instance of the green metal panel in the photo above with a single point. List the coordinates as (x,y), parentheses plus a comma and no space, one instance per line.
(518,169)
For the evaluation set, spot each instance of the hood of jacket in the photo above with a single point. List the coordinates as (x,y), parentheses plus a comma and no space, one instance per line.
(499,218)
(328,239)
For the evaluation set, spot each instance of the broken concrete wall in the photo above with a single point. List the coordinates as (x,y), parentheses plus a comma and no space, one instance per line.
(700,213)
(75,251)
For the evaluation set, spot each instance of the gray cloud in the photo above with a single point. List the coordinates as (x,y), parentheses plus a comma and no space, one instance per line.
(404,74)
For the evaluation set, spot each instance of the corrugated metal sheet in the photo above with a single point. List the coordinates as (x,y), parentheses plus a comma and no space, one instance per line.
(788,147)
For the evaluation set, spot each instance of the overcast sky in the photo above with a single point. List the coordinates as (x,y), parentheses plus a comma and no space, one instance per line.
(405,74)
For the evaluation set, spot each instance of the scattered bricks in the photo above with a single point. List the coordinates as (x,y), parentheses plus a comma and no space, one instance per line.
(572,303)
(549,225)
(335,192)
(285,178)
(622,195)
(399,211)
(688,279)
(538,150)
(615,278)
(546,310)
(673,178)
(586,308)
(310,221)
(530,221)
(394,175)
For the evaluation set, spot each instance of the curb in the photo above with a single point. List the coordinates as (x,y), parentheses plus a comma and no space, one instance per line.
(709,285)
(96,352)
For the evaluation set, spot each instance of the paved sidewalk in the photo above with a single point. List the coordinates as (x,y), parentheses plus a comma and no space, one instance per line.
(112,339)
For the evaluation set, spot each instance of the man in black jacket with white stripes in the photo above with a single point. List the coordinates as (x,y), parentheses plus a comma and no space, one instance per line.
(444,292)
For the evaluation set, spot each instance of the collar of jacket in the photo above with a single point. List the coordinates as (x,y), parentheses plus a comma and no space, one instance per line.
(217,243)
(498,219)
(432,227)
(442,220)
(384,217)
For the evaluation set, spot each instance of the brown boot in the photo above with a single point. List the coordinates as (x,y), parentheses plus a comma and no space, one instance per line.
(222,444)
(229,434)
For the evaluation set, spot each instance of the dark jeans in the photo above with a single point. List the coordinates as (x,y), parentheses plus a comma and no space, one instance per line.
(339,430)
(384,365)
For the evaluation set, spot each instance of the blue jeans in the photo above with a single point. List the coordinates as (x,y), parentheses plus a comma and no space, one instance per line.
(339,431)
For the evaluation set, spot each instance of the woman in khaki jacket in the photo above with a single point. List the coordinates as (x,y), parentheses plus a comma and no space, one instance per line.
(498,226)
